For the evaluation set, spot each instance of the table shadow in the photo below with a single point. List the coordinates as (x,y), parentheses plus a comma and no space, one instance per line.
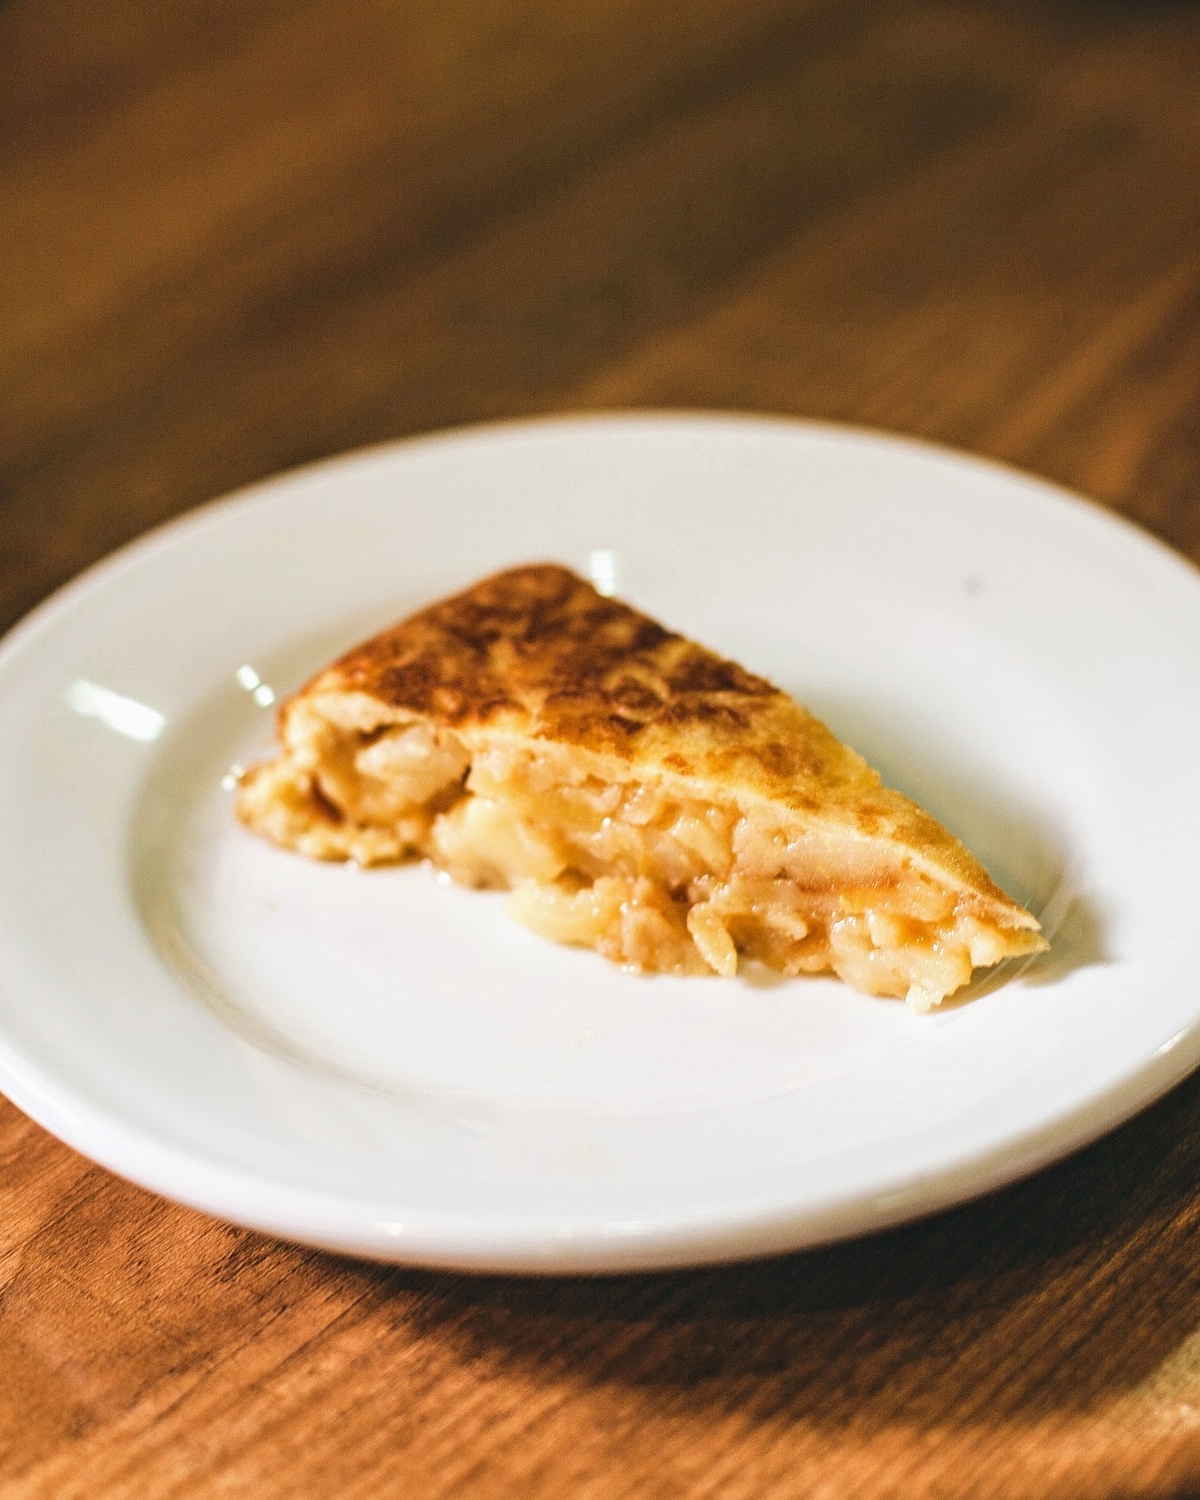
(1054,1295)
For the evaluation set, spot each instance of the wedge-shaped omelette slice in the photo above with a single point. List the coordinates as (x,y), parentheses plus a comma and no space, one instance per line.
(635,792)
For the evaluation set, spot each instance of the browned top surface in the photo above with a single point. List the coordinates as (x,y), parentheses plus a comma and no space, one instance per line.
(540,645)
(536,652)
(237,236)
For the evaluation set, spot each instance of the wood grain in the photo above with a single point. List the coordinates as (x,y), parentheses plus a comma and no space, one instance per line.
(236,236)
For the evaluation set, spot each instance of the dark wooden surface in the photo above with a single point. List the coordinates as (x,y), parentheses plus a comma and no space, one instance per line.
(239,234)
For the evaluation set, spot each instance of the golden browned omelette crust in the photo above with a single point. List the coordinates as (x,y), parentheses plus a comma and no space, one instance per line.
(531,679)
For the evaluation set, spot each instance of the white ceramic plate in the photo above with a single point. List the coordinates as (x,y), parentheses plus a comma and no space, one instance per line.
(376,1063)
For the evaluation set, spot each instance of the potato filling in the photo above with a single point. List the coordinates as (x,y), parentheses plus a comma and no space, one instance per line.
(646,873)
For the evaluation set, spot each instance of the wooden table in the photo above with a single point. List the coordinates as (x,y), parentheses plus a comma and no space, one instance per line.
(239,234)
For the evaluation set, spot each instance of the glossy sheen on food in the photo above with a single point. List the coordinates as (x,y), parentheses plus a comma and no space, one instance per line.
(640,794)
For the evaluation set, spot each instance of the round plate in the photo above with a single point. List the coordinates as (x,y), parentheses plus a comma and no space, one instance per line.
(375,1062)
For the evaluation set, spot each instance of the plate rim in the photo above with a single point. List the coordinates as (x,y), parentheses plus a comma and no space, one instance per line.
(212,510)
